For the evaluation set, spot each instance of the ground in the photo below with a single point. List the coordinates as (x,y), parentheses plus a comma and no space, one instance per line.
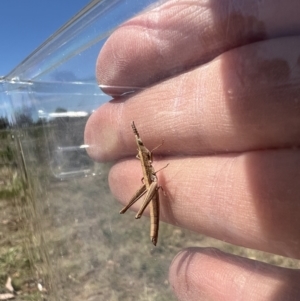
(65,240)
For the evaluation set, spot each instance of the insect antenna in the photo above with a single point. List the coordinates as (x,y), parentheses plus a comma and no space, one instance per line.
(134,129)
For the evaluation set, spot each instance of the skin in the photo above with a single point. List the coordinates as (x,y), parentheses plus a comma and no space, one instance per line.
(224,76)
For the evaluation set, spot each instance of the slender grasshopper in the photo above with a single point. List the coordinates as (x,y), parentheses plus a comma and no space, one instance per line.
(149,188)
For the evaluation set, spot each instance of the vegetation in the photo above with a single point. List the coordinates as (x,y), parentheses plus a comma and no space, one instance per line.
(64,239)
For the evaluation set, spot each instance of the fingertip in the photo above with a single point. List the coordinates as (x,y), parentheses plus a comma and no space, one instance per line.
(122,186)
(118,66)
(185,275)
(100,138)
(209,274)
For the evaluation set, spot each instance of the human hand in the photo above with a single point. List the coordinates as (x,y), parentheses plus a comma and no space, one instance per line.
(221,87)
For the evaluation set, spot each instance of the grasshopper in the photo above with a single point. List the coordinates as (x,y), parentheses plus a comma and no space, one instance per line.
(149,188)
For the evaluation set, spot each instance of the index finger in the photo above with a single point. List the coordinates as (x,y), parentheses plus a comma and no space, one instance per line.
(179,35)
(250,199)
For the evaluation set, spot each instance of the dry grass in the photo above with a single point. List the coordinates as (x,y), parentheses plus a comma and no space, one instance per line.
(69,237)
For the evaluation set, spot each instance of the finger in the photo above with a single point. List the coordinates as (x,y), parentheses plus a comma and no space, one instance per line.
(179,35)
(251,200)
(247,99)
(209,274)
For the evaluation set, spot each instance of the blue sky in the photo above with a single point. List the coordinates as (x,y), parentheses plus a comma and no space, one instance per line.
(25,24)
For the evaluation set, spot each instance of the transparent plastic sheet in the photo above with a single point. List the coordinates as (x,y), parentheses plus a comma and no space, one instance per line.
(71,242)
(65,243)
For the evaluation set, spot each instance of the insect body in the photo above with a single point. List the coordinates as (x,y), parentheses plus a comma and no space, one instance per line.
(149,188)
